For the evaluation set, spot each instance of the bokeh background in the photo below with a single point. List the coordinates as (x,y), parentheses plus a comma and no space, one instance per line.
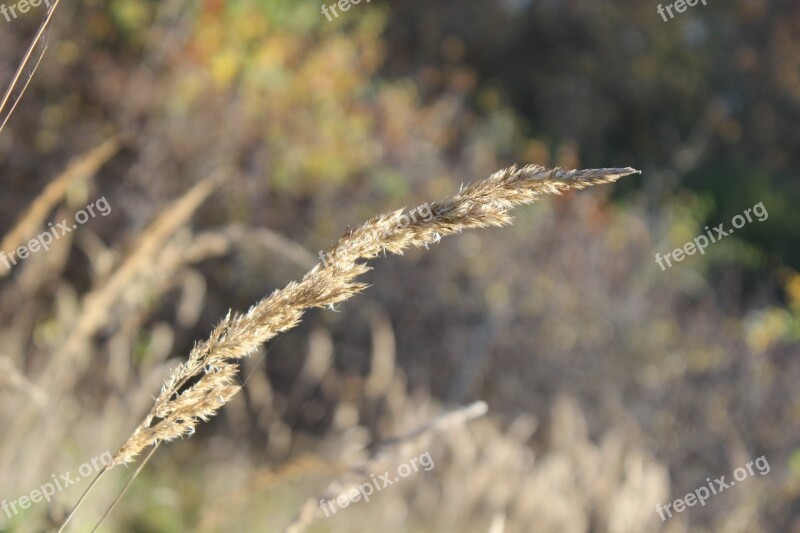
(612,385)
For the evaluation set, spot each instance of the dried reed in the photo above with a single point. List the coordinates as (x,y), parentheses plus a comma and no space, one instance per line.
(212,363)
(197,389)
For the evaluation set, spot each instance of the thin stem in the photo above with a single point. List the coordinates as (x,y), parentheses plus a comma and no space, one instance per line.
(24,62)
(24,88)
(83,497)
(126,487)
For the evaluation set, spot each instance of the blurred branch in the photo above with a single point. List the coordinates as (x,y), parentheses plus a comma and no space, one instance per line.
(390,452)
(13,377)
(274,241)
(82,167)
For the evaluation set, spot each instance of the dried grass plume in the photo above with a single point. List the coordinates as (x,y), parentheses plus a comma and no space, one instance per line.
(198,388)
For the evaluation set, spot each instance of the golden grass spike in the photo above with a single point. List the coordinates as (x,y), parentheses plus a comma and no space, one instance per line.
(213,363)
(485,203)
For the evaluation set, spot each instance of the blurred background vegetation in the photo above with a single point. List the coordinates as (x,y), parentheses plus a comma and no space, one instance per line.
(612,385)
